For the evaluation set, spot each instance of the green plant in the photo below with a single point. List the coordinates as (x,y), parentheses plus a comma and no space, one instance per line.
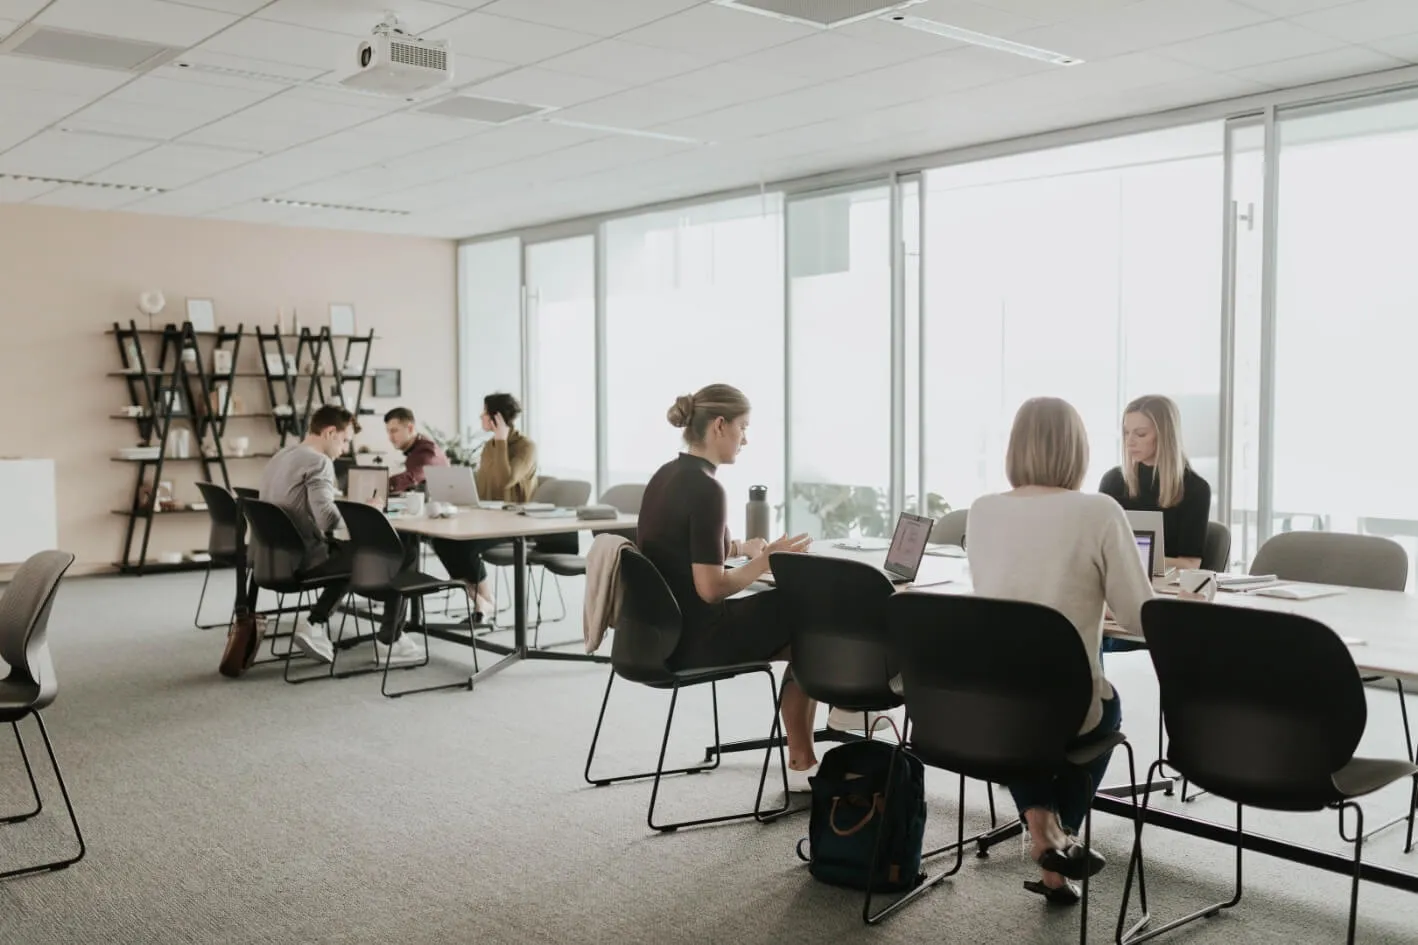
(461,450)
(856,511)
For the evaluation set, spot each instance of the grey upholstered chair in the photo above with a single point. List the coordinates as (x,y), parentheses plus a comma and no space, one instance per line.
(1216,548)
(950,528)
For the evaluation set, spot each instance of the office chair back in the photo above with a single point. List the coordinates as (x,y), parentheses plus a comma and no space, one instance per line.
(277,552)
(1261,707)
(24,625)
(949,529)
(842,653)
(1334,558)
(245,492)
(625,499)
(1216,547)
(649,624)
(225,534)
(995,689)
(377,551)
(563,493)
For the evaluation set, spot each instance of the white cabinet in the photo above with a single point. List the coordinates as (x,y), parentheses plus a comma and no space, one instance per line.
(28,520)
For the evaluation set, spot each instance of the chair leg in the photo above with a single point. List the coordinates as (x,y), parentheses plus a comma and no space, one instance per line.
(329,672)
(34,788)
(384,685)
(68,805)
(197,617)
(590,756)
(1358,863)
(926,882)
(776,729)
(1135,867)
(1137,858)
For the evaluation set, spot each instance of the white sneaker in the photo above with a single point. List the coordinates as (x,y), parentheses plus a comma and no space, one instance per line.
(313,640)
(798,780)
(401,652)
(845,720)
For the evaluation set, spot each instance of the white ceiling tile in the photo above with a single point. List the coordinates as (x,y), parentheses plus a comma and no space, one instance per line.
(286,119)
(242,7)
(895,36)
(216,68)
(467,69)
(721,32)
(1400,47)
(19,191)
(733,81)
(977,16)
(186,91)
(1250,46)
(88,198)
(19,75)
(172,165)
(627,63)
(358,17)
(824,56)
(1135,101)
(1293,7)
(599,17)
(1351,60)
(262,41)
(1366,20)
(20,10)
(7,27)
(154,121)
(1140,25)
(400,133)
(149,20)
(1055,11)
(257,212)
(515,41)
(56,154)
(961,68)
(536,86)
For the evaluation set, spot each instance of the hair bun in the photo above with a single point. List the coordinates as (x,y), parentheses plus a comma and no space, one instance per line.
(682,412)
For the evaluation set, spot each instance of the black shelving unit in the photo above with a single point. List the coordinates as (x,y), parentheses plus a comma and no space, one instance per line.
(305,372)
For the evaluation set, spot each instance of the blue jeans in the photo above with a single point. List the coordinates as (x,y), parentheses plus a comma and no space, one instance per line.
(1114,645)
(1070,793)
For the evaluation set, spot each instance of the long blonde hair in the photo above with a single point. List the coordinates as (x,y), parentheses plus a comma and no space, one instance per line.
(1171,462)
(1048,445)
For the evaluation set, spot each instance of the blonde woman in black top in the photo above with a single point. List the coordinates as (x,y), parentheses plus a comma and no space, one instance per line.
(1156,477)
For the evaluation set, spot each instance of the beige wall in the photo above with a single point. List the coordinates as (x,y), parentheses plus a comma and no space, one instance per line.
(67,275)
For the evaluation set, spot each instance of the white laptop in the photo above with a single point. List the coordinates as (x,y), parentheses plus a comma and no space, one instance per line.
(456,486)
(908,544)
(1152,522)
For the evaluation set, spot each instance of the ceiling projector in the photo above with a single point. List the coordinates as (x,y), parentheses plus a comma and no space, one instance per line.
(393,62)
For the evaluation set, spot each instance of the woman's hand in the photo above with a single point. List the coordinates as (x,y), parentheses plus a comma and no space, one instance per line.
(752,547)
(795,544)
(500,429)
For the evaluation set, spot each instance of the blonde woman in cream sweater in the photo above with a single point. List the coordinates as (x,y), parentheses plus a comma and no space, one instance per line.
(1048,543)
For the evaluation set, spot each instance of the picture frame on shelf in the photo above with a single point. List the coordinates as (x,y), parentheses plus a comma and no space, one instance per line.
(386,382)
(342,319)
(202,313)
(170,402)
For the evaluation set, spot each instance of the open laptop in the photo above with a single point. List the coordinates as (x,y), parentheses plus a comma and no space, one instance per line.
(908,545)
(368,484)
(1146,546)
(456,486)
(1152,522)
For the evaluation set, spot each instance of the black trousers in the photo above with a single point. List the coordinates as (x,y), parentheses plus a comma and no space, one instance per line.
(464,559)
(339,563)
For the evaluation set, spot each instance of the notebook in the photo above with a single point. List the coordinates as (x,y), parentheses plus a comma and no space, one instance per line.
(1297,591)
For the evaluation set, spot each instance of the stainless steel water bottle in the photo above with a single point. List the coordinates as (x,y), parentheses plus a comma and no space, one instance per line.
(756,525)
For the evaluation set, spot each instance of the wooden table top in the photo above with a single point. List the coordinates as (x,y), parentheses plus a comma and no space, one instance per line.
(487,523)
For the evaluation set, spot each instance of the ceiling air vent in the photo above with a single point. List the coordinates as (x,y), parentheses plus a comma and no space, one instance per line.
(823,14)
(87,49)
(488,110)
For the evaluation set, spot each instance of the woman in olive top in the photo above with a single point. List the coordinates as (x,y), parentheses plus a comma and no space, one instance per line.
(1156,477)
(683,531)
(507,472)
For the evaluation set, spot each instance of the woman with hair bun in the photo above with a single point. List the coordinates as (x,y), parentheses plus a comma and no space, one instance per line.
(684,532)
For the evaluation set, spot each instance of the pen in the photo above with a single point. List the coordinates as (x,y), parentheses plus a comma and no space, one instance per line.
(1202,586)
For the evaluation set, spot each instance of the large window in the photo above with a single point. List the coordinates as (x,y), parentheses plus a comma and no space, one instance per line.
(695,297)
(839,269)
(1091,273)
(561,367)
(490,324)
(1345,331)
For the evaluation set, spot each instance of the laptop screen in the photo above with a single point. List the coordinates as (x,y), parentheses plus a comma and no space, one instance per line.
(903,558)
(370,486)
(1144,549)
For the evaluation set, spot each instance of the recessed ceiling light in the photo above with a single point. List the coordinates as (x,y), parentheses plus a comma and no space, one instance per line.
(982,39)
(66,182)
(822,14)
(312,205)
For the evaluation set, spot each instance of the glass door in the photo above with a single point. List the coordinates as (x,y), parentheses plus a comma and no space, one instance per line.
(840,348)
(560,408)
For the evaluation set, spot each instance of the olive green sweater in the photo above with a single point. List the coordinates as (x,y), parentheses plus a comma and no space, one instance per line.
(507,471)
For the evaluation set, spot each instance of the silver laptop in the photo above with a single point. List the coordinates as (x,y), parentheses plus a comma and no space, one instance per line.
(1152,522)
(368,484)
(908,545)
(456,486)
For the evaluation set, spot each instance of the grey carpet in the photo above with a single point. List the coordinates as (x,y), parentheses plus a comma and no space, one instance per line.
(253,811)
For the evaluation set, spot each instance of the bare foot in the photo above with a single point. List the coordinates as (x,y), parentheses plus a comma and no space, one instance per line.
(1053,880)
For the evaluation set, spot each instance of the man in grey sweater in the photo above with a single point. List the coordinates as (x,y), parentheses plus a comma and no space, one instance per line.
(301,480)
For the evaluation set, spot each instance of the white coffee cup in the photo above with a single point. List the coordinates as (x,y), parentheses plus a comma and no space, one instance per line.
(1198,581)
(413,503)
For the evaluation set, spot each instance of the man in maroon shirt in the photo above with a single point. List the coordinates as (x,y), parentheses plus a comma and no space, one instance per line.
(419,451)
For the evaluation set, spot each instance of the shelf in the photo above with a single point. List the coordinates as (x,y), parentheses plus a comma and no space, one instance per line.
(155,567)
(159,332)
(135,514)
(192,459)
(182,416)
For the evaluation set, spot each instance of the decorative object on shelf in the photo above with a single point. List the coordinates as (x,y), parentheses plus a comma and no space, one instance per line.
(387,382)
(209,450)
(294,321)
(461,450)
(170,402)
(275,364)
(169,557)
(291,364)
(164,500)
(239,445)
(133,362)
(221,362)
(202,314)
(150,303)
(189,358)
(342,319)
